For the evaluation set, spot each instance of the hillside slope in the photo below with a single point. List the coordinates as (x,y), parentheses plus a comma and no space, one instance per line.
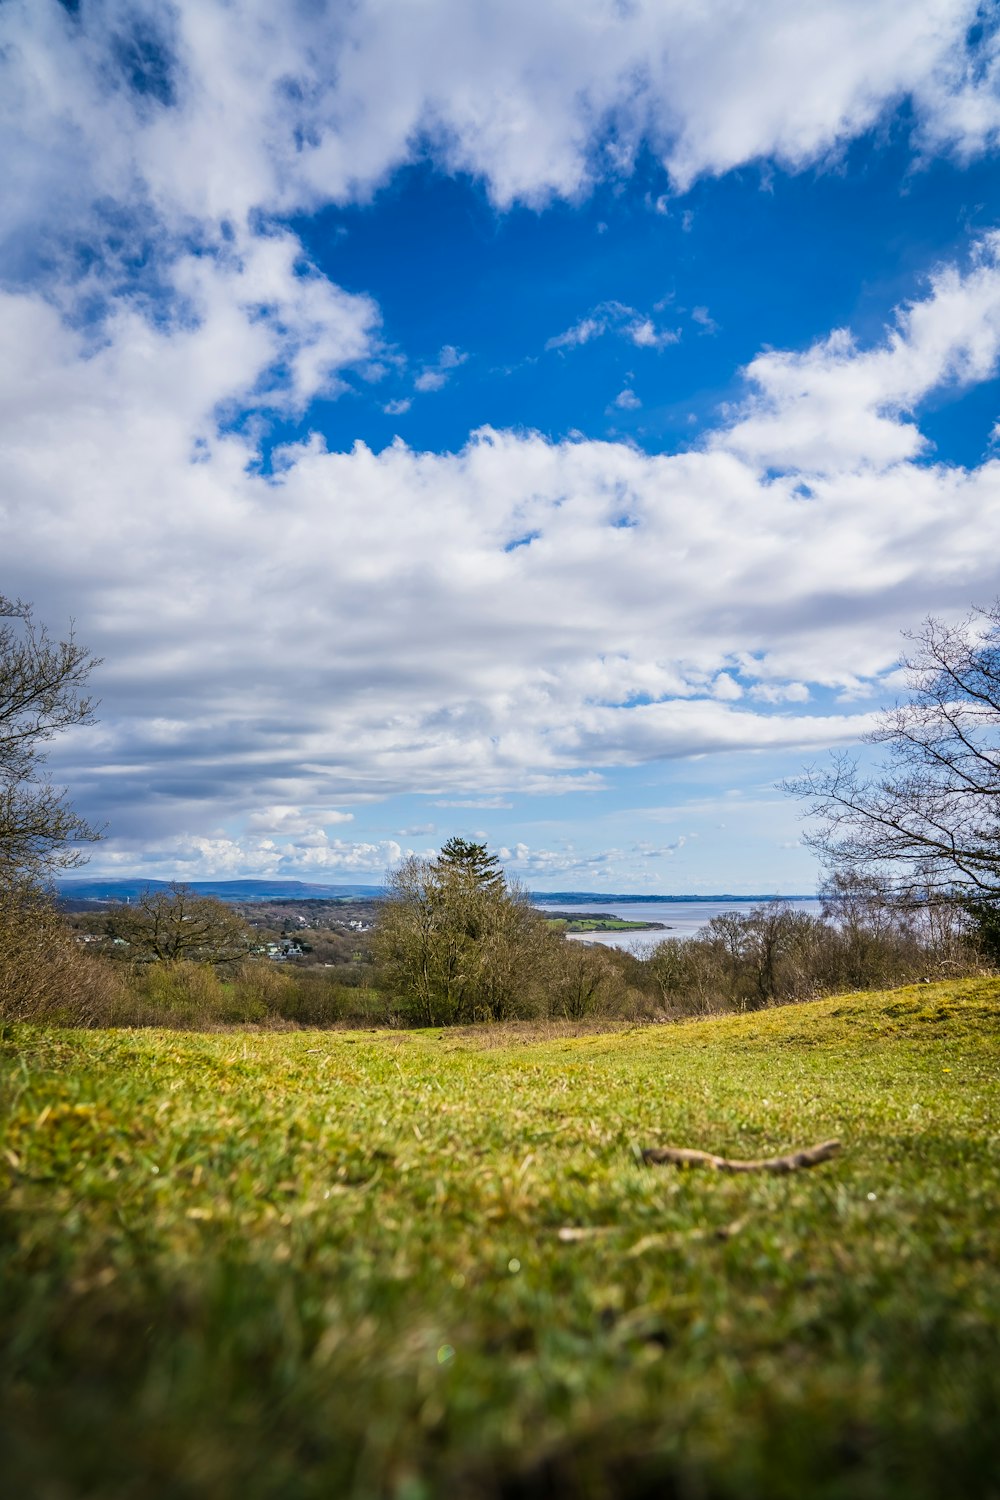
(321,1264)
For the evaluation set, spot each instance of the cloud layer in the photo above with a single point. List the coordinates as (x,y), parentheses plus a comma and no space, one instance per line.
(206,111)
(521,614)
(286,640)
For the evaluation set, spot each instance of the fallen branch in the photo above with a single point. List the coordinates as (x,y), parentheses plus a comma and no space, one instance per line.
(675,1156)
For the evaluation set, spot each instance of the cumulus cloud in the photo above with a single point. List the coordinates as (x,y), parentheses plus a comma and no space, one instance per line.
(292,821)
(221,856)
(836,407)
(210,110)
(132,132)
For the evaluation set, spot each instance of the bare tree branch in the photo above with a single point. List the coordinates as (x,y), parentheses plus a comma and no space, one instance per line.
(41,694)
(930,820)
(677,1156)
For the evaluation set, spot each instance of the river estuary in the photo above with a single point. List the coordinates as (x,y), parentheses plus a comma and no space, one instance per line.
(681,919)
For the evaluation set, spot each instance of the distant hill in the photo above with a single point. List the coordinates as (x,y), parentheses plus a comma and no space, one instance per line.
(302,890)
(225,890)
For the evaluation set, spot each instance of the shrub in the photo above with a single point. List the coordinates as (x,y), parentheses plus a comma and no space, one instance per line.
(45,975)
(454,943)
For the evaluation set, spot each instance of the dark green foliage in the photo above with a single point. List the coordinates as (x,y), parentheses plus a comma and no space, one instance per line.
(471,862)
(454,943)
(984,923)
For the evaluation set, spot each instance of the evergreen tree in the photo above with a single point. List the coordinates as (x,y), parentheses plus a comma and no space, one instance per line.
(454,942)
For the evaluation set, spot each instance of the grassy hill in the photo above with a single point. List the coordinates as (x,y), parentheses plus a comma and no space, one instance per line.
(330,1264)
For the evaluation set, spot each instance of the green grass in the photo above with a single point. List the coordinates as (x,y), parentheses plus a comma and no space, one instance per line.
(328,1265)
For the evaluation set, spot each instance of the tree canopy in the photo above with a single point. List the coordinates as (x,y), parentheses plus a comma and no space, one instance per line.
(453,941)
(472,862)
(175,923)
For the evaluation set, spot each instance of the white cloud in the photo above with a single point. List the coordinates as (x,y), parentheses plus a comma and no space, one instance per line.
(480,802)
(354,624)
(397,408)
(726,688)
(131,132)
(434,377)
(781,692)
(618,318)
(645,335)
(290,821)
(242,105)
(231,112)
(190,856)
(835,407)
(627,400)
(580,333)
(568,861)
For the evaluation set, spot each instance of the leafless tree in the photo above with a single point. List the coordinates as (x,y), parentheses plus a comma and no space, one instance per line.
(928,822)
(41,694)
(176,923)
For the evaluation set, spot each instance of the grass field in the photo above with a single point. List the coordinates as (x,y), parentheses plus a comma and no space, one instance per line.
(322,1264)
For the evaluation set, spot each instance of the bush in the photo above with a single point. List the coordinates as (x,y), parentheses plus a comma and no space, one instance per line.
(188,994)
(316,999)
(983,919)
(774,954)
(580,980)
(454,943)
(770,955)
(45,974)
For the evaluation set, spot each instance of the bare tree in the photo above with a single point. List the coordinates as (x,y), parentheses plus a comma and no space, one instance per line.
(175,923)
(928,822)
(41,694)
(763,952)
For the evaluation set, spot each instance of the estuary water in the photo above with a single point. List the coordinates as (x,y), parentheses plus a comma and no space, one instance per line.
(681,919)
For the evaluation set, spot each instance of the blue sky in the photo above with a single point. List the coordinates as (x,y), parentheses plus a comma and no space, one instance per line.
(533,422)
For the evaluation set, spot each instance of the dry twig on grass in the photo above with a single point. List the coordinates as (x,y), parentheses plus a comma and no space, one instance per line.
(676,1156)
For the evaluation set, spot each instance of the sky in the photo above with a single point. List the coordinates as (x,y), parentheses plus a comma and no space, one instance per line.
(535,422)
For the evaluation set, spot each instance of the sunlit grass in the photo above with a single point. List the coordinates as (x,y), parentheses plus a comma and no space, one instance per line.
(328,1264)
